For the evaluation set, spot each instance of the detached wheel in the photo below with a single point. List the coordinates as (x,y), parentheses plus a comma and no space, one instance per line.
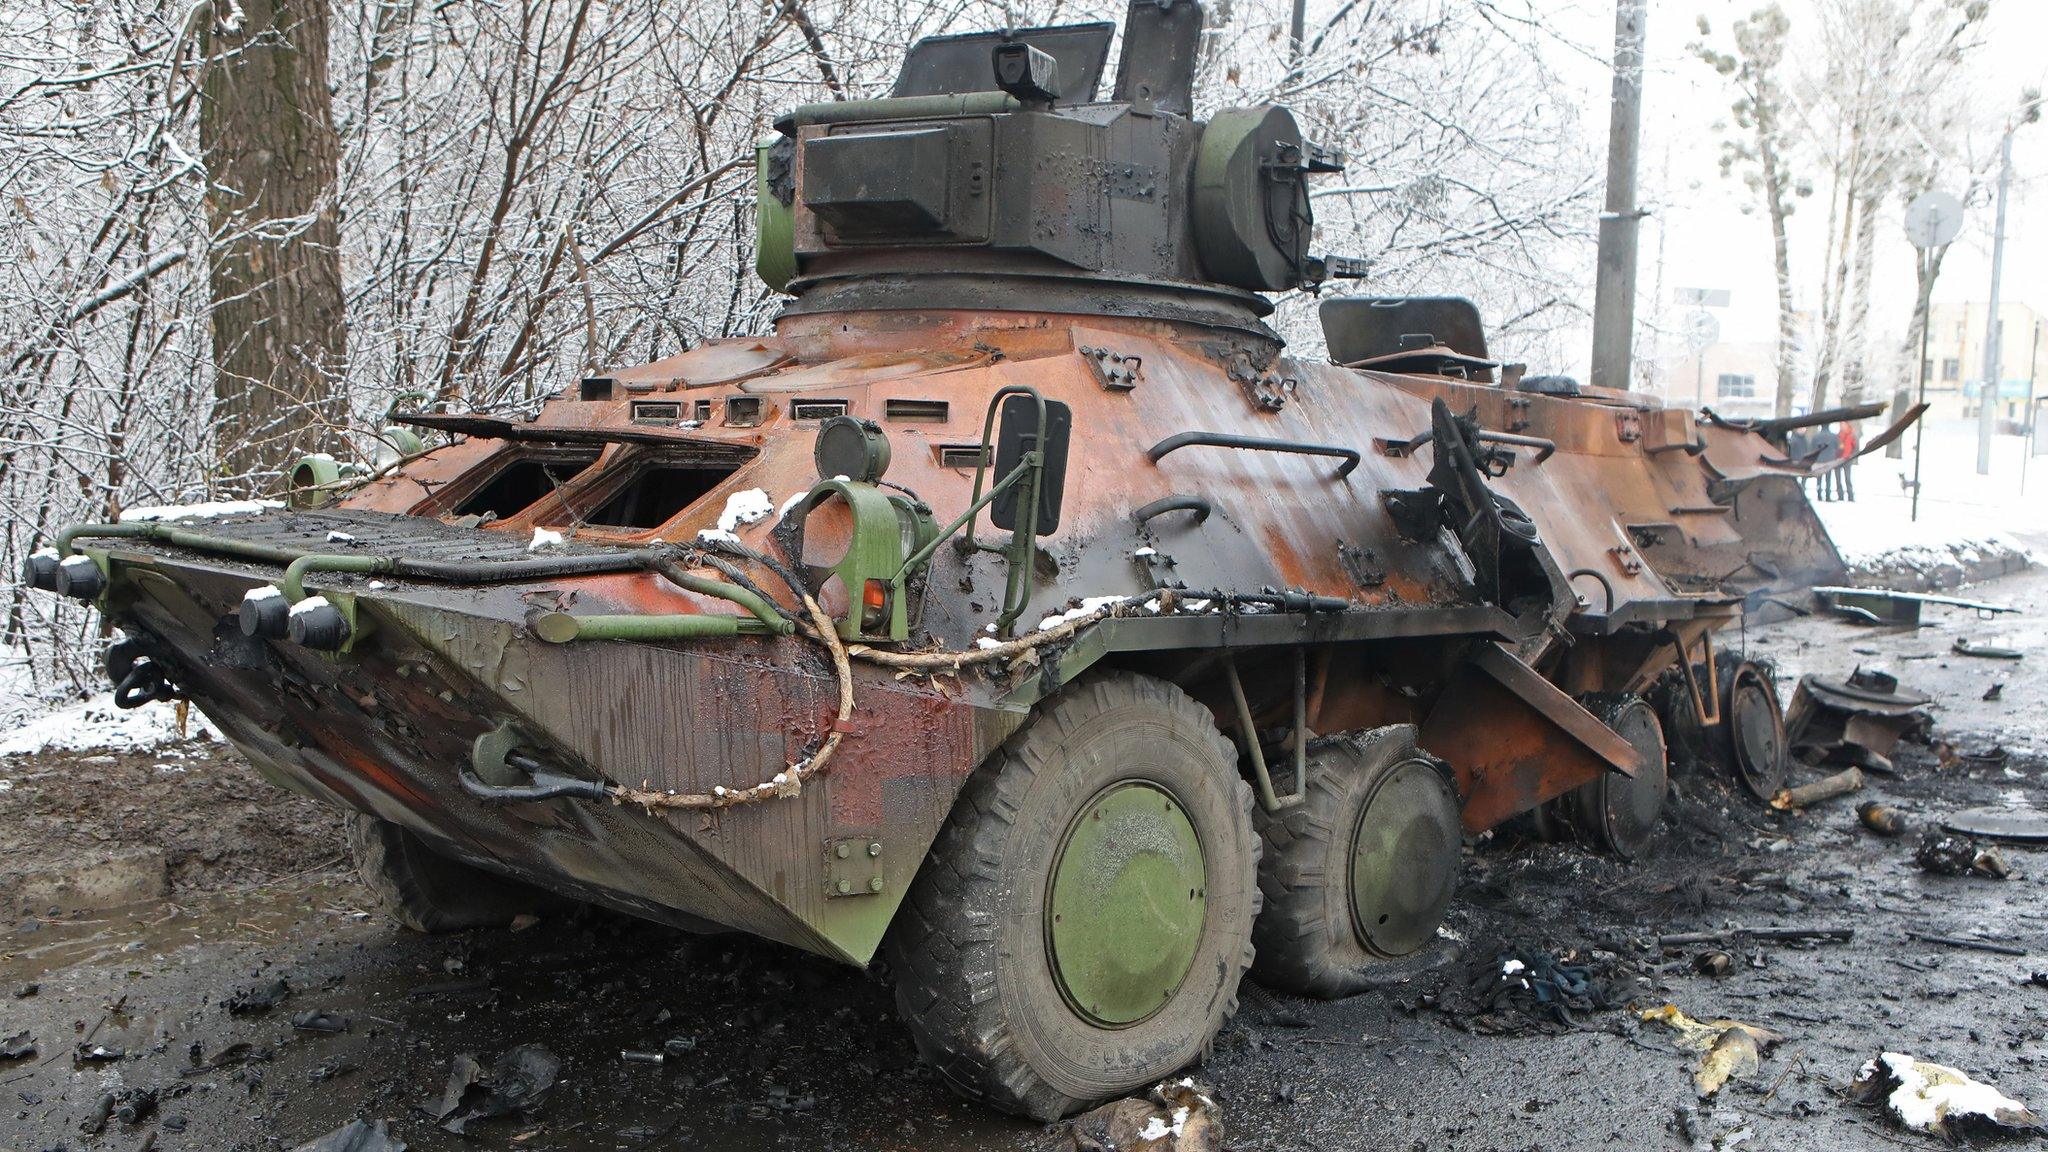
(1616,812)
(1359,874)
(429,892)
(1079,928)
(1750,739)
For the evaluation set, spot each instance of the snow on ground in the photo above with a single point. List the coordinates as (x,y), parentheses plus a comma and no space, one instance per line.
(97,725)
(1961,513)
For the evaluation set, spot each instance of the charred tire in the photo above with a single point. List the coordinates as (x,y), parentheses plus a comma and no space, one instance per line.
(1750,739)
(1004,995)
(1361,871)
(429,892)
(1615,812)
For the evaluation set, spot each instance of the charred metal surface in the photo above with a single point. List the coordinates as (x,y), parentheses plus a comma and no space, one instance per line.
(1527,543)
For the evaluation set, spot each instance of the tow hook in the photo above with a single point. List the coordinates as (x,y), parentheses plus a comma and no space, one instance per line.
(144,683)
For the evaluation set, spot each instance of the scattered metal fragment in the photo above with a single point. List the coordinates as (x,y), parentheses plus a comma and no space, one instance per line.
(517,1082)
(1995,692)
(1884,606)
(1946,854)
(1973,945)
(254,1001)
(1881,818)
(1713,963)
(632,1057)
(318,1021)
(1949,756)
(356,1136)
(1963,647)
(2013,825)
(1937,1099)
(88,1052)
(19,1046)
(1854,721)
(1826,788)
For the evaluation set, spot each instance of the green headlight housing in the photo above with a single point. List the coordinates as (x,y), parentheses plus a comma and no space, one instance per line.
(856,537)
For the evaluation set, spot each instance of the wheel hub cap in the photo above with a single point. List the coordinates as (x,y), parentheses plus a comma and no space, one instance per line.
(1404,860)
(1128,896)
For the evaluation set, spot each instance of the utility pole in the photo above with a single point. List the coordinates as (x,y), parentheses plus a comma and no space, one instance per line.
(1297,40)
(1614,293)
(1987,394)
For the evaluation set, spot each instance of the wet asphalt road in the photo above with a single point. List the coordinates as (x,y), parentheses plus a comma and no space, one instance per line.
(776,1050)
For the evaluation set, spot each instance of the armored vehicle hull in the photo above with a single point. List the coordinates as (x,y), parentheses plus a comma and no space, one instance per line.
(1149,626)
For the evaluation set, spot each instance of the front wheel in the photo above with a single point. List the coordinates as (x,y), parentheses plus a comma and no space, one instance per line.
(1080,926)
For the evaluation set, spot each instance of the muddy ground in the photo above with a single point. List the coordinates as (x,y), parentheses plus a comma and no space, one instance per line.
(774,1049)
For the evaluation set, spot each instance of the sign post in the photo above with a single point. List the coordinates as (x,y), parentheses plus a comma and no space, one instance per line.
(1932,221)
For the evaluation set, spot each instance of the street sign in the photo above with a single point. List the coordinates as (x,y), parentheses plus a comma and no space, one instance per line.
(1933,219)
(1702,330)
(1703,297)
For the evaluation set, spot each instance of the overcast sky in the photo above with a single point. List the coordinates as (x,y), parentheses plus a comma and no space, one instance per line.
(1714,232)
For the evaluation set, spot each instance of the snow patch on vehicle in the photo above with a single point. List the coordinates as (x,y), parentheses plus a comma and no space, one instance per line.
(203,511)
(1088,606)
(749,507)
(309,604)
(544,538)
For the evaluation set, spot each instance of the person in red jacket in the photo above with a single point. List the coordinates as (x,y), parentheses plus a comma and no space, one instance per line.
(1850,442)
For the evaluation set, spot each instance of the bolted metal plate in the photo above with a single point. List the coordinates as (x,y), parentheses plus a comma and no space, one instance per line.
(1404,859)
(853,867)
(1128,896)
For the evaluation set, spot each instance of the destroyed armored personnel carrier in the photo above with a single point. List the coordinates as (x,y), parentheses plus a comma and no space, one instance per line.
(1017,609)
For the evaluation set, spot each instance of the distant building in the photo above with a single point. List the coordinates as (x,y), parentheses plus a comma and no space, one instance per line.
(1955,358)
(1733,378)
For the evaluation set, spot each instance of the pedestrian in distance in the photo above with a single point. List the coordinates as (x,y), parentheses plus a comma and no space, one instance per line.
(1847,443)
(1826,448)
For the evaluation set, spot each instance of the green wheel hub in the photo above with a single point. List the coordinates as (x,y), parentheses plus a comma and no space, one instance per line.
(1404,859)
(1128,895)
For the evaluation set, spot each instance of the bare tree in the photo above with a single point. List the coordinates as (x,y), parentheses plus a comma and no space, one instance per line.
(1880,68)
(1761,151)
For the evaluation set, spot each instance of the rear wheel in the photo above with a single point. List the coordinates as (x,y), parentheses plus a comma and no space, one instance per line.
(429,892)
(1359,874)
(1750,739)
(1617,812)
(1079,928)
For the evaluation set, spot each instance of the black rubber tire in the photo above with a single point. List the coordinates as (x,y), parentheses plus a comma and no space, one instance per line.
(1306,938)
(968,948)
(1761,769)
(1590,810)
(428,892)
(1305,935)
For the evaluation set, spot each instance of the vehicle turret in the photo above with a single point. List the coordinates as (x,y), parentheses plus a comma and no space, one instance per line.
(992,175)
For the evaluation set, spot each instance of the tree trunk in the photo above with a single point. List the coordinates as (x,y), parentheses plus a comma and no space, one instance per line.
(1773,168)
(266,125)
(1856,319)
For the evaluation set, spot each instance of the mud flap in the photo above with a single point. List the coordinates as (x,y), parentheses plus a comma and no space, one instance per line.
(1514,740)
